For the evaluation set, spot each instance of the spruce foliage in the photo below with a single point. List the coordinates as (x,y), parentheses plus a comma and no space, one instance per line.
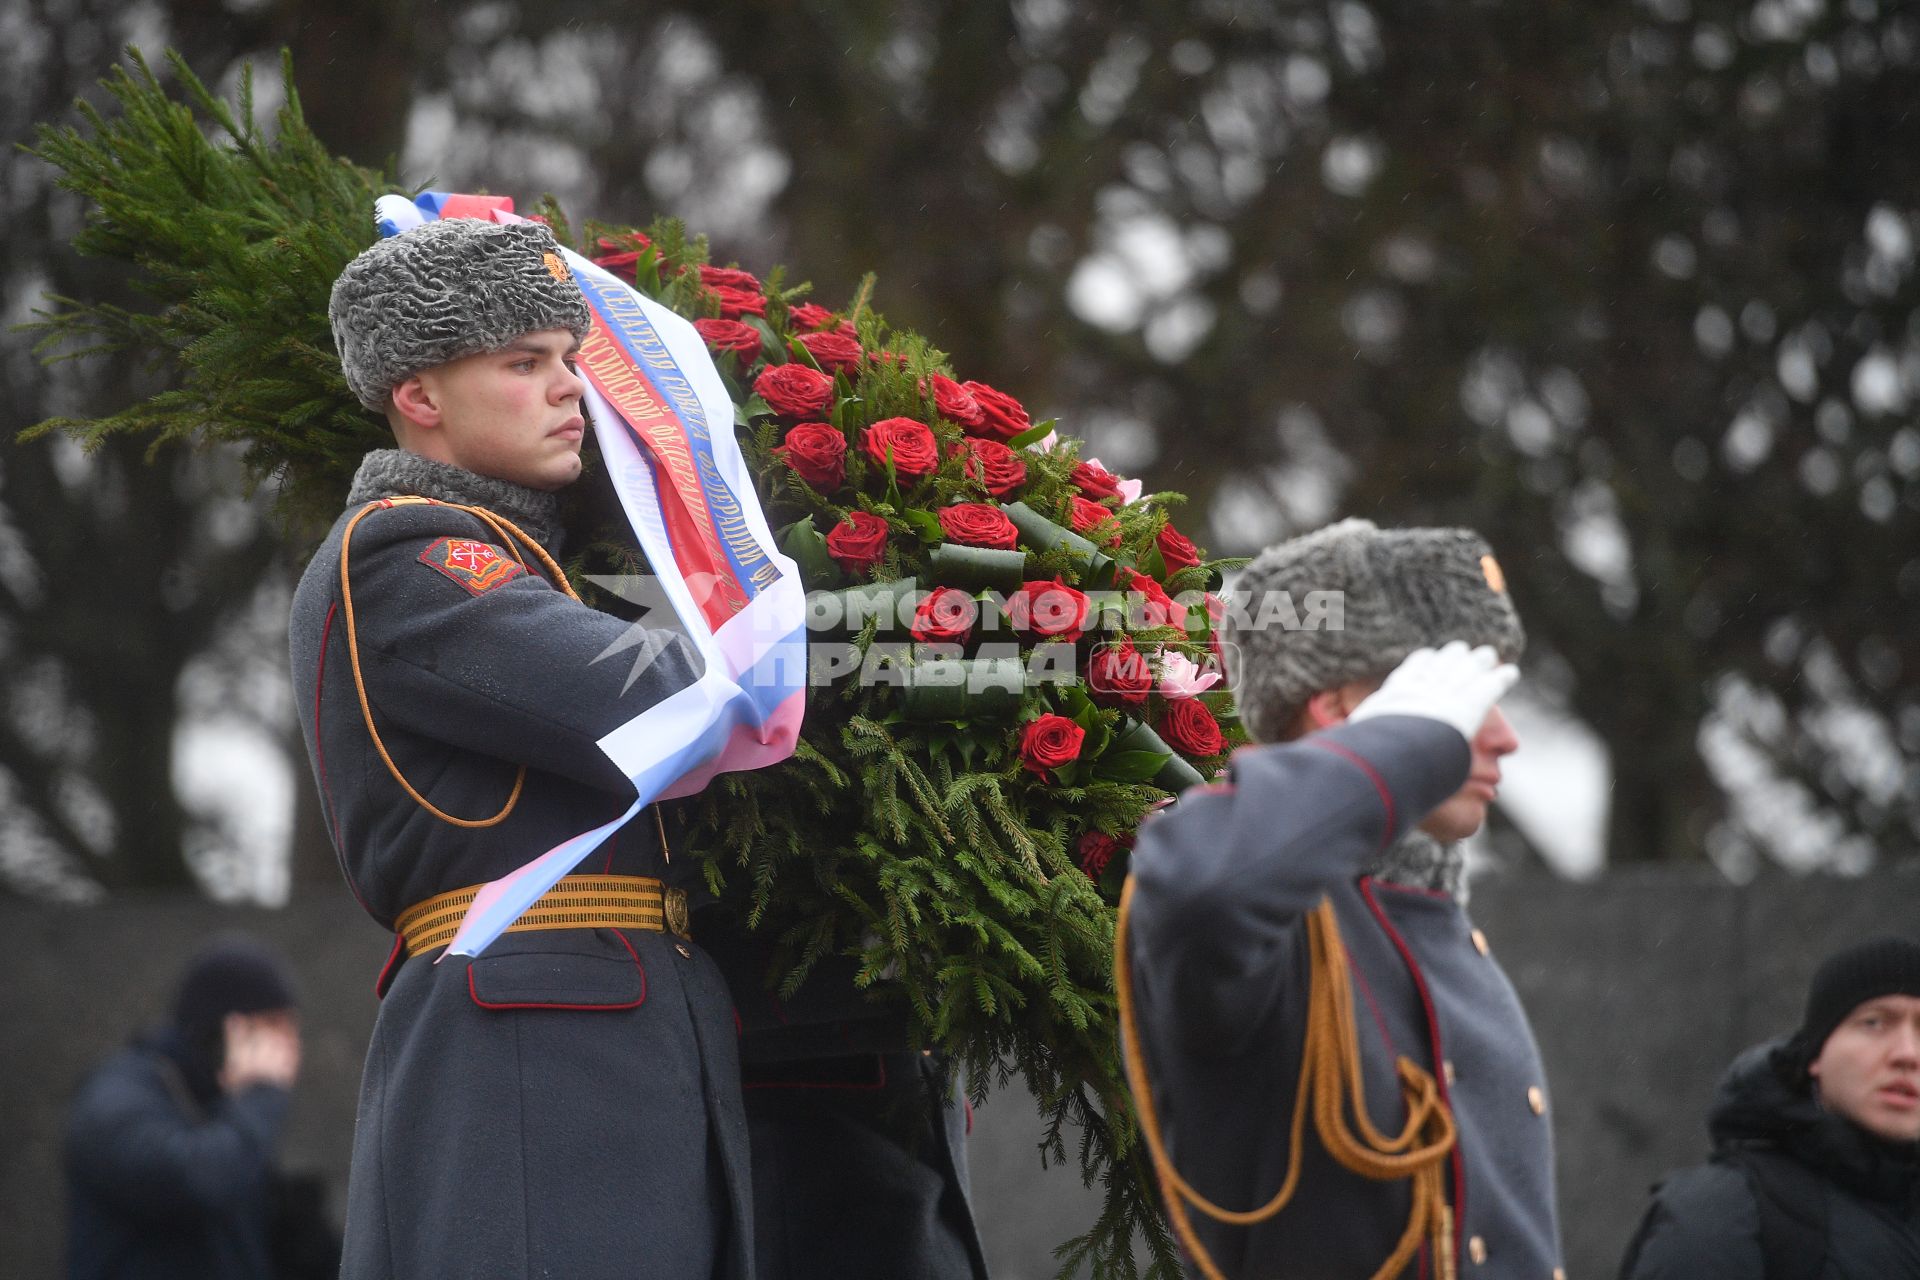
(234,236)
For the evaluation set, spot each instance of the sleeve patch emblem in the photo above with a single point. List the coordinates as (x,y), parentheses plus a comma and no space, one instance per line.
(477,566)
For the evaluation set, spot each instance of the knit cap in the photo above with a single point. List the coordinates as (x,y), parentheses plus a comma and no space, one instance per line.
(445,289)
(1886,966)
(1397,590)
(232,974)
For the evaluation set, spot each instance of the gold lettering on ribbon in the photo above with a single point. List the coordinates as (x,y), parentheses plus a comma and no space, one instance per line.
(726,508)
(732,522)
(629,390)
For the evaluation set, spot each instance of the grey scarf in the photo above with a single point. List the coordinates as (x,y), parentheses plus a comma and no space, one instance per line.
(1418,861)
(388,473)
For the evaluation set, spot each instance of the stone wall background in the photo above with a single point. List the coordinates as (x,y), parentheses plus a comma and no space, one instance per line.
(1642,987)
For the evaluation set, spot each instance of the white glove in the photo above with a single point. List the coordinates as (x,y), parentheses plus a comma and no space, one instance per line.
(1452,684)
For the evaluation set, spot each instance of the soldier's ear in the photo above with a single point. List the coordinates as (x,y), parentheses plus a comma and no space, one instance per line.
(1325,709)
(415,401)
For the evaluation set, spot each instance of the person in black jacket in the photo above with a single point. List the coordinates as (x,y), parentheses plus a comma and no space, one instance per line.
(1816,1166)
(170,1143)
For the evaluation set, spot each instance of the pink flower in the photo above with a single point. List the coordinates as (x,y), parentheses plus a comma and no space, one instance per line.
(1181,677)
(1129,490)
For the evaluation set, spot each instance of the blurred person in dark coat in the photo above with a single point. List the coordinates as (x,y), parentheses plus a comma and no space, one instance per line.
(170,1143)
(1816,1167)
(1304,925)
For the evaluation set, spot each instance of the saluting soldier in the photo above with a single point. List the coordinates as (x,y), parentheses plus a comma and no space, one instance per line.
(568,1103)
(1338,1078)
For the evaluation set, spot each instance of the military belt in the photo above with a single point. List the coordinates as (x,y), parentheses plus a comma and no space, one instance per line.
(577,902)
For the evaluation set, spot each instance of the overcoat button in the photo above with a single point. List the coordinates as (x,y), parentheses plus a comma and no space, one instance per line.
(1477,1250)
(681,947)
(1537,1100)
(1480,942)
(1446,1069)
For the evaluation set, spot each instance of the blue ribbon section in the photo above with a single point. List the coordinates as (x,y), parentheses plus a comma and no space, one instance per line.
(629,327)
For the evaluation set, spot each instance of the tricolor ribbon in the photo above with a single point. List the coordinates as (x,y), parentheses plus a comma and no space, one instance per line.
(664,422)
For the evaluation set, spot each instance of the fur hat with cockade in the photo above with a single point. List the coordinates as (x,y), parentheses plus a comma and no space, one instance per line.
(1394,591)
(446,289)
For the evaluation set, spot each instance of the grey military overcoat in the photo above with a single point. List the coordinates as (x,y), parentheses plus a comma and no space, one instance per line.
(859,1141)
(1219,950)
(567,1105)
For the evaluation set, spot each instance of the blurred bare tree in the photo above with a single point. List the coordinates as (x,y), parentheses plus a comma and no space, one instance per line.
(1629,287)
(142,597)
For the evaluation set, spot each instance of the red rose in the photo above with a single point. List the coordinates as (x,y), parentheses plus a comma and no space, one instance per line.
(1095,481)
(735,303)
(1097,849)
(946,616)
(993,465)
(1001,417)
(911,444)
(809,315)
(1050,742)
(1050,610)
(1155,608)
(833,351)
(1190,728)
(1087,517)
(817,453)
(1120,674)
(858,544)
(955,403)
(619,256)
(729,278)
(1177,550)
(621,264)
(975,524)
(730,335)
(794,390)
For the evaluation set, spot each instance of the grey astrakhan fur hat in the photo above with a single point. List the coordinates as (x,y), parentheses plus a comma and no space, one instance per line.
(446,289)
(1397,590)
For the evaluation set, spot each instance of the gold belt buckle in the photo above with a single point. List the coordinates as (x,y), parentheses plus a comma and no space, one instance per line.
(679,919)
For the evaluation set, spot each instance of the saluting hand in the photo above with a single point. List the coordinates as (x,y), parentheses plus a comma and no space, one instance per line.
(1452,684)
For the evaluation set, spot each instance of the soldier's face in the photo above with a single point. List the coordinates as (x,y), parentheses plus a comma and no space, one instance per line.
(1869,1068)
(1465,811)
(513,414)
